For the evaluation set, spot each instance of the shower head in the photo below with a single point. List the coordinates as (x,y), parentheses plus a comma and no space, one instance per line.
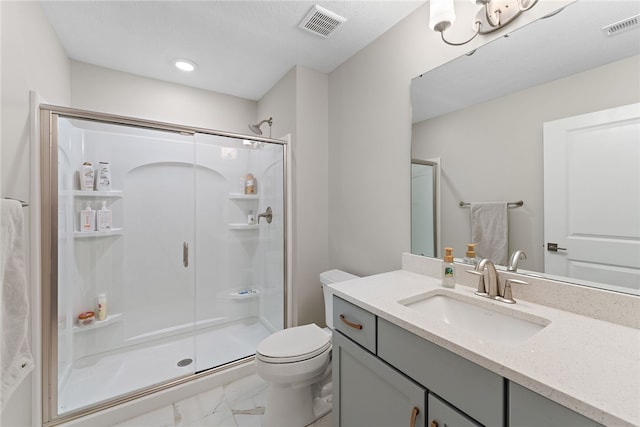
(256,128)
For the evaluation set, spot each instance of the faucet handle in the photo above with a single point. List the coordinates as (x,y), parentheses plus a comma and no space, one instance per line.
(482,291)
(507,295)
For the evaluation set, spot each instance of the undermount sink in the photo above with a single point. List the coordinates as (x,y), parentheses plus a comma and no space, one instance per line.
(475,317)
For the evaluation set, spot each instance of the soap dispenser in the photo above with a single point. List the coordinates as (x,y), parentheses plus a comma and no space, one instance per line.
(470,256)
(448,271)
(104,220)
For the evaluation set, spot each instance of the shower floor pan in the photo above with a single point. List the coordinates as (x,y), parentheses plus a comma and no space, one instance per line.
(100,378)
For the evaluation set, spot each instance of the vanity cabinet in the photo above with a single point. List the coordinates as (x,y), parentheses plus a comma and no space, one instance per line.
(383,375)
(527,408)
(369,393)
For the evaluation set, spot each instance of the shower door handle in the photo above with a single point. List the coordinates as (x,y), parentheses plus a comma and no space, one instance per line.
(185,254)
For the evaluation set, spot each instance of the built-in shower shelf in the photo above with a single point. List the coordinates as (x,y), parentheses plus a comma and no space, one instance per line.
(110,320)
(88,193)
(242,196)
(88,234)
(241,226)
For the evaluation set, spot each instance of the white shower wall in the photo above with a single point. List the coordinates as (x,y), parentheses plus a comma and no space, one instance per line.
(175,189)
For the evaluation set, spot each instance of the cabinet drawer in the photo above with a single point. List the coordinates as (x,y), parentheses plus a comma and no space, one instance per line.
(529,409)
(476,391)
(442,415)
(355,322)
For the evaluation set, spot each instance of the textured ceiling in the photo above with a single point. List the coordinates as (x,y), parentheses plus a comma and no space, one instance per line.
(242,48)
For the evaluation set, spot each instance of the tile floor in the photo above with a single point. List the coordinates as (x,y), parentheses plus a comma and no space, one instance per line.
(238,404)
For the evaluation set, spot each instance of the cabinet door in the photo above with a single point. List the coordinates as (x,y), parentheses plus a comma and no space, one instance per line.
(527,408)
(443,415)
(370,393)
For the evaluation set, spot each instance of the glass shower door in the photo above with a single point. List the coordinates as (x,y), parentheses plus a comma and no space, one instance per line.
(239,247)
(137,264)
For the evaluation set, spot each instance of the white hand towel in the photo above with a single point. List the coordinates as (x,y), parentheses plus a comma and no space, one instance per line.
(490,231)
(16,360)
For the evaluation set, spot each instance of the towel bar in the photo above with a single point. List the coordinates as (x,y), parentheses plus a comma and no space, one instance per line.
(22,202)
(510,204)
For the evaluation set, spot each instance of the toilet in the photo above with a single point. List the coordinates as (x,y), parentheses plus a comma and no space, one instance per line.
(297,364)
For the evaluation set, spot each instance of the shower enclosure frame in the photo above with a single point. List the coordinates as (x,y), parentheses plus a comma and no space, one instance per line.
(49,115)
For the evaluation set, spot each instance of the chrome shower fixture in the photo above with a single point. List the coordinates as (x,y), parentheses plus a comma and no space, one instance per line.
(256,128)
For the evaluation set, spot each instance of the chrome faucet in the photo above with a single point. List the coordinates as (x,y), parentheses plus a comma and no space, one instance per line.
(513,262)
(492,286)
(491,289)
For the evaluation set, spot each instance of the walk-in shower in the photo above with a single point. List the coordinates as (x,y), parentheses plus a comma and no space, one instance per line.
(190,273)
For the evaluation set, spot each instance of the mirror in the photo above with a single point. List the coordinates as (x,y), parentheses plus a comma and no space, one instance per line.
(483,114)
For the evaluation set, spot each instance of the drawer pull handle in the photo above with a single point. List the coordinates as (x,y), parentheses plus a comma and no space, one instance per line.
(434,423)
(414,416)
(350,324)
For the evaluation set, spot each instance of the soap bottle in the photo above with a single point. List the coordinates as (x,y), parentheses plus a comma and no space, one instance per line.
(87,218)
(251,217)
(448,271)
(102,306)
(105,219)
(470,256)
(86,177)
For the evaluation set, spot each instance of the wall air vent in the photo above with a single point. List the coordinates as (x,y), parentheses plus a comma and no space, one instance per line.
(621,26)
(321,22)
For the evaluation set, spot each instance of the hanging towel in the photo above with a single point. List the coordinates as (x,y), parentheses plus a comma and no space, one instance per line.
(490,231)
(16,360)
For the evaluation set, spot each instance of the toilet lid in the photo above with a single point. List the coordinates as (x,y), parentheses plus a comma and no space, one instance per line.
(294,344)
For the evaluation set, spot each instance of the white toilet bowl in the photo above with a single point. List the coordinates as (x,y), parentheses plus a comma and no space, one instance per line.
(294,361)
(297,363)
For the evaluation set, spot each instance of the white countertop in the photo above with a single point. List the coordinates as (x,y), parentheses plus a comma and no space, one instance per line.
(588,365)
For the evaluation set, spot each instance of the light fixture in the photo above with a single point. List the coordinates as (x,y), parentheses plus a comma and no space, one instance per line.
(256,128)
(184,64)
(492,15)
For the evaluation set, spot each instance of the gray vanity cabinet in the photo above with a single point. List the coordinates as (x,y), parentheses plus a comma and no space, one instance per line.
(529,409)
(369,393)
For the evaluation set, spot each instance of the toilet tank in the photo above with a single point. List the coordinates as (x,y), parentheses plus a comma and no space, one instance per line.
(326,278)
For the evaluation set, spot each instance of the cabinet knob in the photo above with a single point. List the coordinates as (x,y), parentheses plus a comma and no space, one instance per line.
(414,416)
(350,324)
(434,423)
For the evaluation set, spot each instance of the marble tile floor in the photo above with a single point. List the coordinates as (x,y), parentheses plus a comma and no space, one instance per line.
(238,404)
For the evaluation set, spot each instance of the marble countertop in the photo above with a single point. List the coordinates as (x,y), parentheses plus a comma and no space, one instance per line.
(587,365)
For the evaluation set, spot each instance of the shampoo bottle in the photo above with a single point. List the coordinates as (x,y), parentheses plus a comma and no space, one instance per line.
(470,256)
(87,218)
(86,177)
(250,184)
(102,306)
(103,182)
(104,218)
(448,272)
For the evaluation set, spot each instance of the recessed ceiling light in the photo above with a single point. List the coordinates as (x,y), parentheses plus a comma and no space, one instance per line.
(184,64)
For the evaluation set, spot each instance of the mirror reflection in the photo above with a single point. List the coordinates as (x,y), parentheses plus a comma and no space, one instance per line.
(494,118)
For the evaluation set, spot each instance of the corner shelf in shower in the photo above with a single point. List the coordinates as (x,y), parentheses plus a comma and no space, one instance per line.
(87,234)
(89,193)
(241,226)
(242,196)
(110,320)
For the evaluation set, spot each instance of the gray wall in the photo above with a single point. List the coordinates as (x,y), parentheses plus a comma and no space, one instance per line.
(504,161)
(370,137)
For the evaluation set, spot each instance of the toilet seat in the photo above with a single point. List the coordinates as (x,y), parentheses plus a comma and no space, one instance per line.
(294,344)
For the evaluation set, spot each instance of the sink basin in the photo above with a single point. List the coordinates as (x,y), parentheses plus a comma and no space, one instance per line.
(475,317)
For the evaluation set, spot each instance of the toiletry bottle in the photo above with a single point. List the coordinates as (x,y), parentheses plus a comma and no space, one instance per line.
(250,184)
(470,256)
(104,218)
(102,306)
(104,177)
(251,217)
(86,177)
(448,272)
(87,218)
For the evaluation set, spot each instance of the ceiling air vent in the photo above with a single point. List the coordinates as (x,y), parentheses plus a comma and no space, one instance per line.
(621,26)
(321,22)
